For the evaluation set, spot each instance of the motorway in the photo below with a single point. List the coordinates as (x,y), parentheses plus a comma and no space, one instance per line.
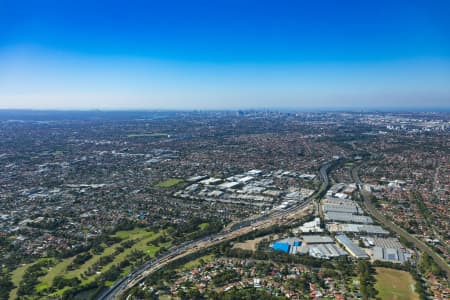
(239,229)
(397,229)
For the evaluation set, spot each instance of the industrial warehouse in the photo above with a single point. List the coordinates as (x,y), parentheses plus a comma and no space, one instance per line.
(343,216)
(252,188)
(343,210)
(386,249)
(314,245)
(351,247)
(357,228)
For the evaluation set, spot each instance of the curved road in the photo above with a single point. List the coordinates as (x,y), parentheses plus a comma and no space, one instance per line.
(190,247)
(397,229)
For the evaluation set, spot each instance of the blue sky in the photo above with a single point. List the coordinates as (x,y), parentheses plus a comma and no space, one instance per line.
(224,54)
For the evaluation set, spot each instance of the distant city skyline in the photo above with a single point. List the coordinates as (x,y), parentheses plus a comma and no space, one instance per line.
(224,54)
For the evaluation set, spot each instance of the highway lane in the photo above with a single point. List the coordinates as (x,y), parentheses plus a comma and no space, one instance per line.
(397,229)
(190,247)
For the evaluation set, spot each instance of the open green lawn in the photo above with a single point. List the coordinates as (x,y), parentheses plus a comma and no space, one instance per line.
(16,277)
(135,233)
(169,183)
(395,285)
(203,226)
(17,274)
(195,263)
(59,268)
(60,292)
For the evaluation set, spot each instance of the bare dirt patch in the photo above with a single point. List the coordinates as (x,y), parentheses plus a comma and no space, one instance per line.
(251,244)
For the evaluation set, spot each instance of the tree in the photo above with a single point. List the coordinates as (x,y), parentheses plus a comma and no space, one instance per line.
(366,279)
(6,286)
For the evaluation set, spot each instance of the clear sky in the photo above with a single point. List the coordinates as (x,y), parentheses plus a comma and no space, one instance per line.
(224,54)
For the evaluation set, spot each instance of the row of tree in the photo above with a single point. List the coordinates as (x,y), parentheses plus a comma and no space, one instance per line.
(366,280)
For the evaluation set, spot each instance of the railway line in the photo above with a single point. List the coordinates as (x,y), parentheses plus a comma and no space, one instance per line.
(397,229)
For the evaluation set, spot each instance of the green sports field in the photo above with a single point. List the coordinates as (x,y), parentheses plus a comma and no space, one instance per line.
(169,183)
(395,285)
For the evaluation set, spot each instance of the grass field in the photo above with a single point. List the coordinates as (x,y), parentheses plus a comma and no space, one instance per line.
(142,246)
(60,267)
(395,285)
(169,183)
(195,263)
(203,226)
(135,233)
(16,277)
(17,274)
